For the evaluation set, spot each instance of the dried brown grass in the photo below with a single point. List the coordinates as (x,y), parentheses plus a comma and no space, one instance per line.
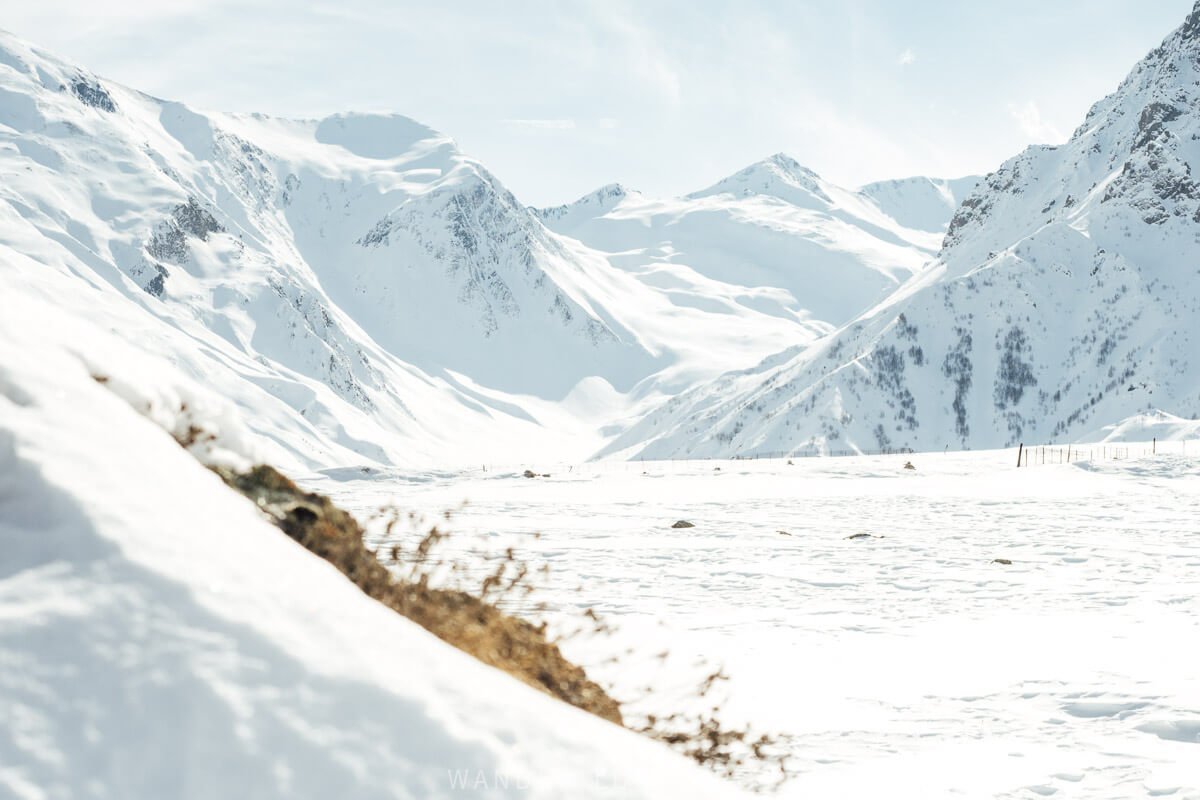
(401,578)
(466,621)
(473,622)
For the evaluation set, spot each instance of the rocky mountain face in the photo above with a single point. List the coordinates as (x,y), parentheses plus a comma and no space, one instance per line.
(1065,297)
(348,282)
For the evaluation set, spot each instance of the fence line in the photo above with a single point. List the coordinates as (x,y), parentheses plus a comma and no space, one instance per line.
(1027,456)
(1039,455)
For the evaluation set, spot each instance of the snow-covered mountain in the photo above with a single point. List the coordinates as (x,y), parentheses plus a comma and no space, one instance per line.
(774,237)
(365,292)
(925,204)
(1065,298)
(330,277)
(361,289)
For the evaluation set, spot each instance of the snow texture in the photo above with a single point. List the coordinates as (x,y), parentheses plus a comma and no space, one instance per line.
(906,663)
(160,638)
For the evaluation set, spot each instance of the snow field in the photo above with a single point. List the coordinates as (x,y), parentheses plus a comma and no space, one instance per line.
(905,666)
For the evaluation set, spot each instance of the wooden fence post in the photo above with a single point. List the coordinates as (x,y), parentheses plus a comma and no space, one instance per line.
(1020,450)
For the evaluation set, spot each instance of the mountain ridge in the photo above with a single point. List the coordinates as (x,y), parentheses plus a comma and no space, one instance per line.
(364,292)
(1059,302)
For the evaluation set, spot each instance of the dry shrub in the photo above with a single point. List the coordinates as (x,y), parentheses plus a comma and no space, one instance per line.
(473,621)
(466,621)
(758,761)
(468,615)
(507,580)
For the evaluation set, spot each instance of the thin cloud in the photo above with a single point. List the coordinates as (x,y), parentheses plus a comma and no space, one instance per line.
(909,56)
(1029,120)
(542,124)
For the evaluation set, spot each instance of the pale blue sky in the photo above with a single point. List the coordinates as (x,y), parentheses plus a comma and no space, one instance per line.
(558,98)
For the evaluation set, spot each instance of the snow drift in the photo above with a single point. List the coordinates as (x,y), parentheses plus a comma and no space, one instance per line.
(161,639)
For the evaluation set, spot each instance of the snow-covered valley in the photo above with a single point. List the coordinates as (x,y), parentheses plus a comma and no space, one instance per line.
(355,301)
(907,666)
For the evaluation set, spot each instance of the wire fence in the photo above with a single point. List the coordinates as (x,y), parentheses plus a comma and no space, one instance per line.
(1026,456)
(1040,455)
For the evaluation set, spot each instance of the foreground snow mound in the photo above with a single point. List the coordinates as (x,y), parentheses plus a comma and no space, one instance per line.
(1065,297)
(161,639)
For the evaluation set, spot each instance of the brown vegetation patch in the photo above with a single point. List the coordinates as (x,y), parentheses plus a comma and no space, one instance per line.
(456,617)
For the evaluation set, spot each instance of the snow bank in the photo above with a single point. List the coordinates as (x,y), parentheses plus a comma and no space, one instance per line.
(1155,424)
(160,639)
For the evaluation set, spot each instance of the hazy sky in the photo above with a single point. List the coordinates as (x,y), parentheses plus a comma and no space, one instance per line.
(558,98)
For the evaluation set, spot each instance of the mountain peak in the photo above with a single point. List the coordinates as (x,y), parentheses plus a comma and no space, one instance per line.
(779,176)
(607,192)
(780,166)
(591,204)
(788,165)
(1191,26)
(1130,161)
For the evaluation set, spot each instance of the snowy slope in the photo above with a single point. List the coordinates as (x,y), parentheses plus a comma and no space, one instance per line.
(1065,298)
(1146,427)
(924,204)
(267,258)
(366,293)
(161,639)
(774,237)
(378,217)
(360,289)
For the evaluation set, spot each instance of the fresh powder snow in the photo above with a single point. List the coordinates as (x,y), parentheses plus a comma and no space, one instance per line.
(906,663)
(359,303)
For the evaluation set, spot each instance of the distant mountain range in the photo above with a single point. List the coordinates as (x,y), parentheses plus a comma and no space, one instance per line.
(364,293)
